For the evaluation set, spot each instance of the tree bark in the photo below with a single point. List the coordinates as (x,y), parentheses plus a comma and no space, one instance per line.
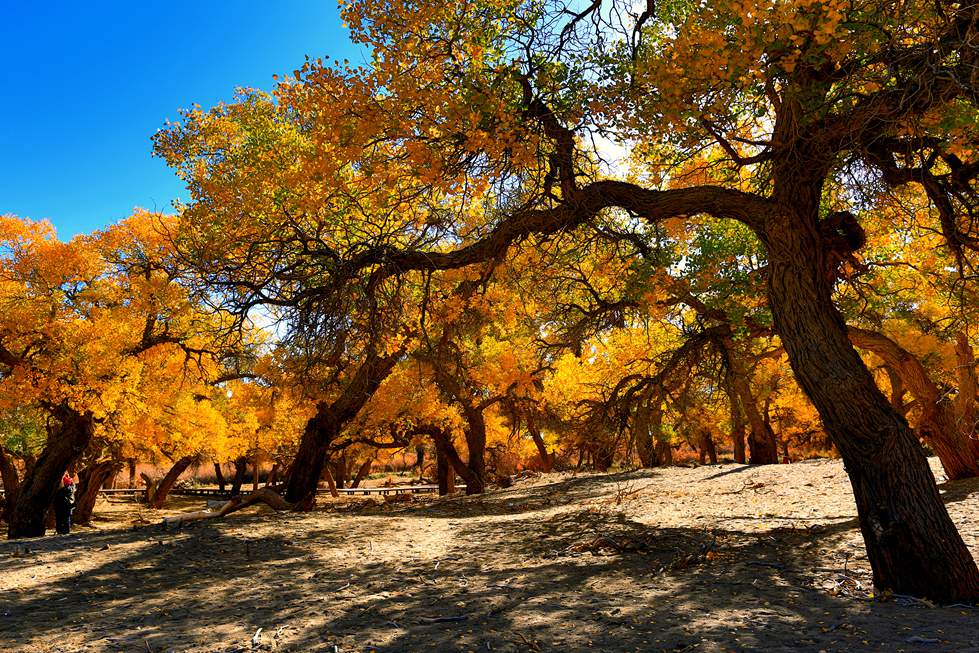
(363,472)
(241,465)
(325,425)
(965,399)
(912,544)
(11,483)
(707,449)
(546,459)
(476,445)
(444,471)
(255,473)
(163,488)
(737,421)
(131,463)
(273,475)
(219,477)
(90,480)
(66,442)
(937,423)
(762,447)
(443,442)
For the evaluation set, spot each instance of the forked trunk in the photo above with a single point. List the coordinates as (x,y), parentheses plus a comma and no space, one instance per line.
(737,421)
(66,442)
(912,544)
(706,448)
(162,490)
(240,467)
(444,472)
(762,447)
(326,424)
(90,480)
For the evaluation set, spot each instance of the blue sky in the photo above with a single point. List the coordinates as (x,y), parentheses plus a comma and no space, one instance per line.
(85,85)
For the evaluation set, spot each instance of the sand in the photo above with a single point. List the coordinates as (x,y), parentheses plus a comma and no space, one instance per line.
(714,558)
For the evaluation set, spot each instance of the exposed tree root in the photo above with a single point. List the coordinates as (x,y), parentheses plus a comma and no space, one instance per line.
(265,495)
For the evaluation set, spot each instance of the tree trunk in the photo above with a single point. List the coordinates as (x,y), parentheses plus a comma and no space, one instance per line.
(131,463)
(90,480)
(255,473)
(546,459)
(325,426)
(762,447)
(363,472)
(11,483)
(219,477)
(965,400)
(443,441)
(330,482)
(241,466)
(444,471)
(476,445)
(912,544)
(737,421)
(273,475)
(707,448)
(163,488)
(937,423)
(66,442)
(664,453)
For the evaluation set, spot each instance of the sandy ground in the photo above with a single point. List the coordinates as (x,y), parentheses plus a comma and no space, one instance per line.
(717,558)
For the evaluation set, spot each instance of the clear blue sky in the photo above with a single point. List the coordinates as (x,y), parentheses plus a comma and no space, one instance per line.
(85,85)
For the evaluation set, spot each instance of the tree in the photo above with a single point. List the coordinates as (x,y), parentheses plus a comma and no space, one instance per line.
(499,105)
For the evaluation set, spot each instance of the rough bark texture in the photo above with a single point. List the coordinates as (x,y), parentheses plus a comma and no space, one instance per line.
(66,442)
(162,490)
(325,425)
(912,544)
(938,423)
(443,443)
(264,495)
(476,454)
(90,480)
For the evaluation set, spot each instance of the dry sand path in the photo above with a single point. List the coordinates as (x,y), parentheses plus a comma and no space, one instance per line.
(716,558)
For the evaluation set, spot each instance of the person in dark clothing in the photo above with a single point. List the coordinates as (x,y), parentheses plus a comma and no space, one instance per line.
(64,504)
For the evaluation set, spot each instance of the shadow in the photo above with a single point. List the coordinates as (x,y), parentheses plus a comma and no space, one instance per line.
(516,570)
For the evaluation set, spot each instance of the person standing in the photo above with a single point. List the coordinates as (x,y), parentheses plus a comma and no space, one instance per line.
(64,504)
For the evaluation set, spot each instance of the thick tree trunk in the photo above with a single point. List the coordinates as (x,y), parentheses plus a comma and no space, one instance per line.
(912,544)
(443,442)
(241,465)
(166,484)
(937,423)
(90,480)
(131,464)
(325,426)
(444,472)
(664,453)
(66,442)
(476,445)
(11,483)
(219,477)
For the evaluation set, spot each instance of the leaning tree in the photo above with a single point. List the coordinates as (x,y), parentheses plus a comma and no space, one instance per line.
(480,124)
